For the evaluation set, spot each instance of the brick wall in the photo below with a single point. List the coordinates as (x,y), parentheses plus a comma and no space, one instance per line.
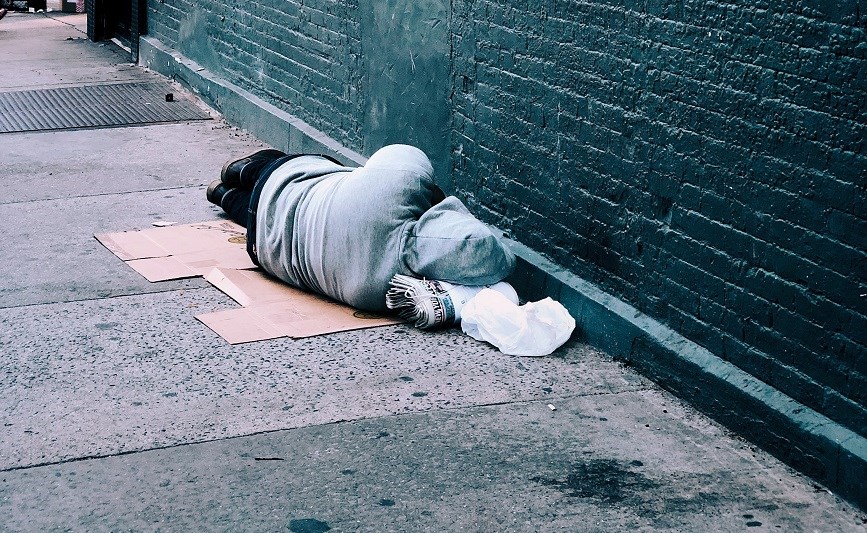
(365,72)
(702,160)
(300,55)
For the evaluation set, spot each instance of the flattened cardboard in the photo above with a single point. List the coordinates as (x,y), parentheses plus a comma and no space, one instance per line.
(237,326)
(217,250)
(182,251)
(274,309)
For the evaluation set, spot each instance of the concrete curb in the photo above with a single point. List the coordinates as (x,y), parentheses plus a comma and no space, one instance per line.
(797,435)
(792,432)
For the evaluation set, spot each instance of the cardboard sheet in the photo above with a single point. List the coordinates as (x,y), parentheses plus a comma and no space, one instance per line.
(273,309)
(182,251)
(217,251)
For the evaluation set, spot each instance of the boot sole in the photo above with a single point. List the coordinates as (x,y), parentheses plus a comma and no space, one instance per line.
(251,157)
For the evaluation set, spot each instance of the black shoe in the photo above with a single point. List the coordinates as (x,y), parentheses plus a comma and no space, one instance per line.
(231,174)
(217,190)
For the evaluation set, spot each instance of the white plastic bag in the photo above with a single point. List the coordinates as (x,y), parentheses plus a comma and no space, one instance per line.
(534,329)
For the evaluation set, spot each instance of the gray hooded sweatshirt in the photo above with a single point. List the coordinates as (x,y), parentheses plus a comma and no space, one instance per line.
(345,232)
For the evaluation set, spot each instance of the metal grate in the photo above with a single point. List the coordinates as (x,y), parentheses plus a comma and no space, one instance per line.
(93,106)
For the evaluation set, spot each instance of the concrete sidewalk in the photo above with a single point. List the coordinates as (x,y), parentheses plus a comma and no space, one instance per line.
(120,411)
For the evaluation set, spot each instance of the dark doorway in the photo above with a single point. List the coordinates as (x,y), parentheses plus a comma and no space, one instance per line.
(118,20)
(124,20)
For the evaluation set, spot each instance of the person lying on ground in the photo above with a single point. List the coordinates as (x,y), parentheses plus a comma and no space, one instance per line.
(345,231)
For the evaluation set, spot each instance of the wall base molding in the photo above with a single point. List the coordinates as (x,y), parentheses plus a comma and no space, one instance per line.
(799,436)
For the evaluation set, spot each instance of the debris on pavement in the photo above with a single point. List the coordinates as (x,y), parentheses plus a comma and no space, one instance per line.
(490,314)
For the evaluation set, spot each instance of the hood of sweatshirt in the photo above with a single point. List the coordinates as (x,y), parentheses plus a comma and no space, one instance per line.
(448,243)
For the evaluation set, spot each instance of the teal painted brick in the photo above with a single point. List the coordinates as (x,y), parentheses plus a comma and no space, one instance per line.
(712,159)
(282,51)
(704,161)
